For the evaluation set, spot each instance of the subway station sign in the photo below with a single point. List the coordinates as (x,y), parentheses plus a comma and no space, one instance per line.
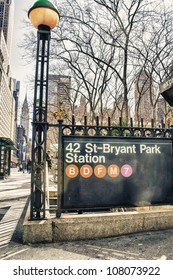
(108,172)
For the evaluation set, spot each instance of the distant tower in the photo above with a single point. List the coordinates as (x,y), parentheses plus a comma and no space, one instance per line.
(59,92)
(143,87)
(24,118)
(83,102)
(6,21)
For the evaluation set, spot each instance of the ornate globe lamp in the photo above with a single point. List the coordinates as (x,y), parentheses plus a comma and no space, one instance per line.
(44,17)
(43,13)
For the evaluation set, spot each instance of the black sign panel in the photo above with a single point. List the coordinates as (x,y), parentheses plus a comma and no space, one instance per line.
(108,172)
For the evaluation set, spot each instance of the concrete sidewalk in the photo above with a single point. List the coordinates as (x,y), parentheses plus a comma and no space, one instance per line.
(16,177)
(140,246)
(14,193)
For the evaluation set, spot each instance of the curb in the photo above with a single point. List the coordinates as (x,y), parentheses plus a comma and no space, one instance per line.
(91,226)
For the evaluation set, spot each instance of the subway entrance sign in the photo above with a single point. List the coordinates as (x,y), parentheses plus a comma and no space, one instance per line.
(105,172)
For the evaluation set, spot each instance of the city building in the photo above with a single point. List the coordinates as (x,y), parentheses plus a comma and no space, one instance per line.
(21,140)
(58,103)
(161,106)
(143,89)
(7,110)
(23,144)
(24,117)
(8,92)
(16,90)
(59,92)
(6,21)
(81,110)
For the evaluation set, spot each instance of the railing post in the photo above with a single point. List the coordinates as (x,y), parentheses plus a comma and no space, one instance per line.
(73,125)
(60,158)
(85,126)
(162,123)
(131,122)
(109,126)
(120,129)
(97,126)
(152,128)
(131,127)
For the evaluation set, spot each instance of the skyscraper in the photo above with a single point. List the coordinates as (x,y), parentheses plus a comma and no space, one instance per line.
(8,103)
(24,118)
(7,108)
(59,92)
(6,21)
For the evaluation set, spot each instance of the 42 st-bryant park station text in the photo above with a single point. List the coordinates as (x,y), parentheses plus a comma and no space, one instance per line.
(92,151)
(80,157)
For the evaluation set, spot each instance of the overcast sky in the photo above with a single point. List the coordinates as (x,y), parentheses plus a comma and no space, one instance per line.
(20,71)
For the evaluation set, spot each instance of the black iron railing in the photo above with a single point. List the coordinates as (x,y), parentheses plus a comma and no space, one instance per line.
(115,130)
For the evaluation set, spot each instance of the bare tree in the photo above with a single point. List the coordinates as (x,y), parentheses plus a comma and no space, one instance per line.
(101,45)
(86,54)
(153,55)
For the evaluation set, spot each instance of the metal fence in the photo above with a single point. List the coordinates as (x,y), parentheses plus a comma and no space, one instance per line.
(124,165)
(116,129)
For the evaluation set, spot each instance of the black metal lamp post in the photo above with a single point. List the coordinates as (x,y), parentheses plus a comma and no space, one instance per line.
(44,17)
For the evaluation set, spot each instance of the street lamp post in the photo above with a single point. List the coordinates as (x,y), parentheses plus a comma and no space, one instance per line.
(44,17)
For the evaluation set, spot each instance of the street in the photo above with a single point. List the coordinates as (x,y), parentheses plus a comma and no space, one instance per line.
(14,194)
